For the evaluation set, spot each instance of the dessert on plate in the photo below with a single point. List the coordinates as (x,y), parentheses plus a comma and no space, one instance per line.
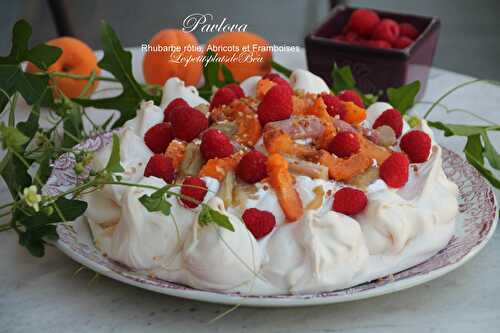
(322,193)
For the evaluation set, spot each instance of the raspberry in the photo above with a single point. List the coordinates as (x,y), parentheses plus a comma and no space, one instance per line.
(276,78)
(363,21)
(176,103)
(195,188)
(394,170)
(158,137)
(258,222)
(188,123)
(351,37)
(344,144)
(408,30)
(214,144)
(417,145)
(334,105)
(387,30)
(380,44)
(236,89)
(349,201)
(252,167)
(402,42)
(351,96)
(276,105)
(223,96)
(160,166)
(391,118)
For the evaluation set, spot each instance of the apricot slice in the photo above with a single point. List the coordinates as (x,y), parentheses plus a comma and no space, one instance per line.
(176,151)
(218,168)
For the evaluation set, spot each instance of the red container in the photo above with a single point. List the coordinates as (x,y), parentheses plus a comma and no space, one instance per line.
(374,69)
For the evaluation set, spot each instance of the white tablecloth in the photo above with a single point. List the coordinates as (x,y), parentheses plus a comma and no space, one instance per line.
(44,295)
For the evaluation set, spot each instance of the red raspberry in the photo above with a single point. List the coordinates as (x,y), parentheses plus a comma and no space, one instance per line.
(408,30)
(351,96)
(223,96)
(387,30)
(363,21)
(160,166)
(417,145)
(349,201)
(176,103)
(214,144)
(258,222)
(380,44)
(391,118)
(158,137)
(402,42)
(188,123)
(344,144)
(334,105)
(351,37)
(276,78)
(276,105)
(394,170)
(252,167)
(236,89)
(194,188)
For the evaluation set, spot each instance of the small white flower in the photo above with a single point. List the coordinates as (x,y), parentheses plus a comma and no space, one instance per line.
(32,198)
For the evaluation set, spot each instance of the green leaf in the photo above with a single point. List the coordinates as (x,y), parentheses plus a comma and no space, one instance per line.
(490,152)
(403,98)
(114,165)
(281,69)
(210,215)
(15,174)
(156,203)
(69,210)
(228,76)
(342,79)
(482,169)
(21,34)
(43,55)
(73,127)
(461,130)
(474,148)
(34,238)
(12,138)
(118,62)
(369,99)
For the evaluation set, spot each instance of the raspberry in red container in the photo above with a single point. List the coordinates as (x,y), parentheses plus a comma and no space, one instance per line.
(259,222)
(391,118)
(252,167)
(215,144)
(394,170)
(158,137)
(402,42)
(380,44)
(188,123)
(363,21)
(417,145)
(276,105)
(344,144)
(387,30)
(176,103)
(195,189)
(160,166)
(349,201)
(408,30)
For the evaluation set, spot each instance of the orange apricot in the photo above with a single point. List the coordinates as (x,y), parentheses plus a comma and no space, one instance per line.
(241,63)
(76,58)
(160,65)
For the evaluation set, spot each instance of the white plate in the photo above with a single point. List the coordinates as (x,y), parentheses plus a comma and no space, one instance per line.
(475,226)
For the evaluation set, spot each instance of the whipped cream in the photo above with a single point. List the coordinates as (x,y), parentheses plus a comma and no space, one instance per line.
(324,250)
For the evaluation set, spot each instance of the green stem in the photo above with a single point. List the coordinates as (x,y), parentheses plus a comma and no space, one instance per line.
(449,92)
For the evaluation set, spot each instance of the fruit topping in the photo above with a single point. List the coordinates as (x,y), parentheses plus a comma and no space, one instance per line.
(218,168)
(344,144)
(394,170)
(252,167)
(158,137)
(258,222)
(188,123)
(352,96)
(391,118)
(160,166)
(236,89)
(334,105)
(349,201)
(417,145)
(214,144)
(276,105)
(193,190)
(223,96)
(353,114)
(176,103)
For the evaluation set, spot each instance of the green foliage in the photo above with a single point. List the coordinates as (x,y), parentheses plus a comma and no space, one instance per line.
(210,215)
(114,165)
(403,98)
(281,69)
